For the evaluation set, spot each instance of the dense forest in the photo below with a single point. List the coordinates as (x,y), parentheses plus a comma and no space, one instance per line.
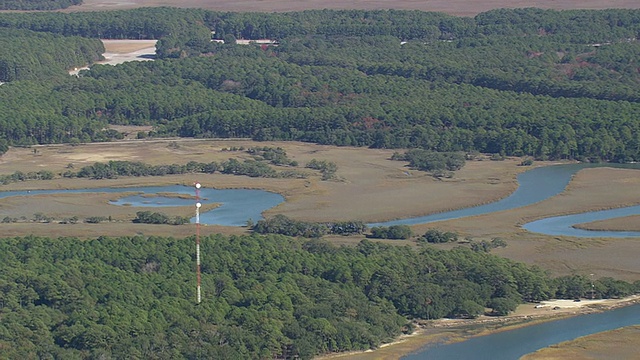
(37,4)
(264,296)
(525,82)
(541,83)
(29,55)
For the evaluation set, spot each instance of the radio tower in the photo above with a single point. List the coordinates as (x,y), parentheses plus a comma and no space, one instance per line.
(198,205)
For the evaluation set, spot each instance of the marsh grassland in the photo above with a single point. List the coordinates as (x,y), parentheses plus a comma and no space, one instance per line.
(368,187)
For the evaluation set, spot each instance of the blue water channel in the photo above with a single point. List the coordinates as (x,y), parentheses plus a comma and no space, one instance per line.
(534,186)
(512,344)
(237,206)
(240,205)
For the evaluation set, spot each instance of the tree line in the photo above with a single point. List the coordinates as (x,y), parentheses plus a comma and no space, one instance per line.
(117,168)
(466,87)
(264,296)
(30,55)
(37,4)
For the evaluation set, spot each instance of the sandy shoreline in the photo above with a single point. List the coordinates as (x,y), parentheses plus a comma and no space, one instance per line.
(446,330)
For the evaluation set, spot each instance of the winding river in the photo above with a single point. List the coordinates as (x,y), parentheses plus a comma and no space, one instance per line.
(237,206)
(534,186)
(512,344)
(241,205)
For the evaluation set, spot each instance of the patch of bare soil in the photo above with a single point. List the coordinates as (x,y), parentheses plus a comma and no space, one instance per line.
(119,46)
(121,51)
(454,7)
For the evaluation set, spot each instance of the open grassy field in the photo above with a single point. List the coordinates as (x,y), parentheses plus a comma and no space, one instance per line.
(369,187)
(127,46)
(454,7)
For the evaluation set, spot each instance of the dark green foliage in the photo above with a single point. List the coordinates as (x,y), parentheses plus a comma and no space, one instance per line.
(28,55)
(114,169)
(486,246)
(37,4)
(608,288)
(502,306)
(281,224)
(20,176)
(276,156)
(432,161)
(176,26)
(436,236)
(348,228)
(40,217)
(250,168)
(579,286)
(327,168)
(526,162)
(394,232)
(509,82)
(158,218)
(263,296)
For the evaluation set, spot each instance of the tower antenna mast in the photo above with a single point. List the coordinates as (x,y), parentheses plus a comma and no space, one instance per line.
(198,205)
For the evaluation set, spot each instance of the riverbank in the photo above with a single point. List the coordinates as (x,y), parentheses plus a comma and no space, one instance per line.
(369,186)
(627,223)
(433,332)
(615,344)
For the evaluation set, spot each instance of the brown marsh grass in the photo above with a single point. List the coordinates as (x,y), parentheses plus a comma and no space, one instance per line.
(369,187)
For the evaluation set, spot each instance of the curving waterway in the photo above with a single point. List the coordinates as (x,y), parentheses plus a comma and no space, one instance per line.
(534,186)
(512,344)
(240,205)
(237,206)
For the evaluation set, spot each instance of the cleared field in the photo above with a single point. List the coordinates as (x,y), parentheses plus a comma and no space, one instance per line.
(454,7)
(121,51)
(127,46)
